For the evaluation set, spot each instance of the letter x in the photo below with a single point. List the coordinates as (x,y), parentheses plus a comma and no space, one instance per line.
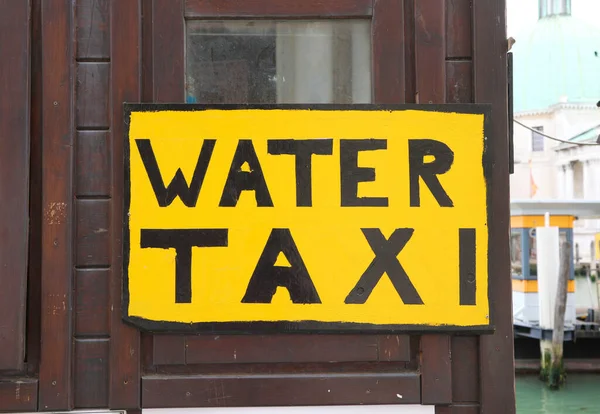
(385,261)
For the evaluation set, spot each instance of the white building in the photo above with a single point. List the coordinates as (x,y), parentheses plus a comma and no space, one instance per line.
(556,72)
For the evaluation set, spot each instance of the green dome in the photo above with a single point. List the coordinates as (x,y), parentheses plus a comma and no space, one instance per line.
(559,58)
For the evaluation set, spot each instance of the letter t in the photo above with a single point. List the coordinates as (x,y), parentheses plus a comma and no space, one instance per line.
(182,241)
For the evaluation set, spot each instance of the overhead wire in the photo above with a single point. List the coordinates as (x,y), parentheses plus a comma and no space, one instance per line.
(554,138)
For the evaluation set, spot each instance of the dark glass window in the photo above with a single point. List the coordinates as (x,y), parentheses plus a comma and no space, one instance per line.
(268,62)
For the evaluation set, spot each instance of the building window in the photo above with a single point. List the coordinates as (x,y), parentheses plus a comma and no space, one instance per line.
(537,140)
(516,253)
(279,61)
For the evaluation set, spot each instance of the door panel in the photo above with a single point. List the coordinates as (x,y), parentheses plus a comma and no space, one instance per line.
(125,78)
(381,51)
(93,55)
(265,59)
(57,235)
(14,181)
(225,349)
(291,348)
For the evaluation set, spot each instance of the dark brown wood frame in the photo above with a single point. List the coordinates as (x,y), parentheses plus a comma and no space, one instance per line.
(165,76)
(83,67)
(260,9)
(489,56)
(58,127)
(392,75)
(126,38)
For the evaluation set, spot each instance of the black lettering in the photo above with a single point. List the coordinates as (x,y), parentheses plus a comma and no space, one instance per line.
(303,150)
(466,263)
(182,241)
(351,174)
(239,180)
(385,261)
(178,186)
(444,157)
(267,277)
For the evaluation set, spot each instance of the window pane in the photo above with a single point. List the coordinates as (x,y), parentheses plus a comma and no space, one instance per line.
(267,62)
(537,140)
(532,254)
(516,253)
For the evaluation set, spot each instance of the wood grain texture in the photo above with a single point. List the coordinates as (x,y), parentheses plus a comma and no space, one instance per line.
(458,409)
(459,81)
(147,353)
(459,89)
(168,64)
(415,353)
(91,302)
(93,29)
(464,349)
(166,79)
(18,394)
(92,95)
(436,369)
(34,278)
(436,374)
(202,9)
(169,350)
(146,59)
(280,390)
(458,29)
(490,86)
(93,164)
(295,348)
(410,81)
(280,368)
(93,235)
(57,229)
(126,87)
(465,369)
(394,348)
(14,179)
(91,373)
(388,51)
(430,53)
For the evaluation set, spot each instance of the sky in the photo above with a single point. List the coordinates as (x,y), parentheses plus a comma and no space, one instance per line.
(522,14)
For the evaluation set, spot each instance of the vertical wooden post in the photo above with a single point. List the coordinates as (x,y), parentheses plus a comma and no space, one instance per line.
(57,255)
(548,275)
(125,35)
(556,374)
(496,355)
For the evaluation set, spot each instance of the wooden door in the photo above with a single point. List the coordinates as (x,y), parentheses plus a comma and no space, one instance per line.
(94,55)
(420,51)
(234,50)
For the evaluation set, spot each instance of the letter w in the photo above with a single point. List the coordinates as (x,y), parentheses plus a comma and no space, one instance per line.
(178,187)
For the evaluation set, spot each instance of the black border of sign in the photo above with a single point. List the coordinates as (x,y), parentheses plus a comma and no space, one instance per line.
(300,327)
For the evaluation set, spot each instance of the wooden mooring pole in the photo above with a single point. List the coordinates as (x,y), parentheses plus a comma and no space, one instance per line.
(555,375)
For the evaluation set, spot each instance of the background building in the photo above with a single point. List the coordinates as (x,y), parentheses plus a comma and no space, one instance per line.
(556,88)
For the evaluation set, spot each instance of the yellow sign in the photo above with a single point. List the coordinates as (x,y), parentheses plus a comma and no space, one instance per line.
(597,245)
(306,219)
